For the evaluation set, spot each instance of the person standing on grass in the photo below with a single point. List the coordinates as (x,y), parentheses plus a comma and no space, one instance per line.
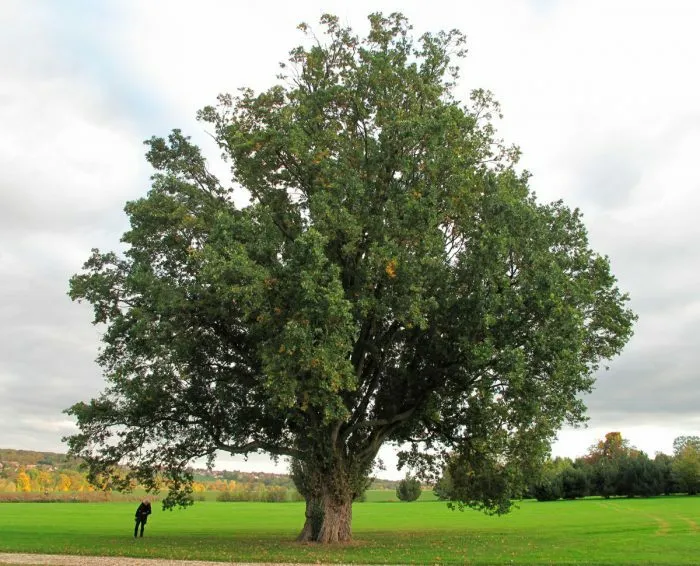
(142,513)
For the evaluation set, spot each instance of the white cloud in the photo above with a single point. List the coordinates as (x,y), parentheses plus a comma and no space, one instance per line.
(69,159)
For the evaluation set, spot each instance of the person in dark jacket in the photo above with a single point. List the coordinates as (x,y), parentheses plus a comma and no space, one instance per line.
(142,513)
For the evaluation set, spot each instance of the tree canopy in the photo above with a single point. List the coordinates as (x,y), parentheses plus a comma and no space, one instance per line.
(409,489)
(612,447)
(393,279)
(686,464)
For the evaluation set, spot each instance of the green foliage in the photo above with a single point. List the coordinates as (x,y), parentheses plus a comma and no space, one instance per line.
(360,498)
(614,468)
(686,463)
(548,488)
(639,476)
(393,279)
(547,485)
(443,488)
(682,442)
(604,477)
(409,489)
(669,483)
(574,483)
(271,494)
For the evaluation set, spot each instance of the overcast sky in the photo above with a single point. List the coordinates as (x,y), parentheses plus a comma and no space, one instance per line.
(603,98)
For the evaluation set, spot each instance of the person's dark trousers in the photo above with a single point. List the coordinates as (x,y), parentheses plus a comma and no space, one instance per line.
(136,528)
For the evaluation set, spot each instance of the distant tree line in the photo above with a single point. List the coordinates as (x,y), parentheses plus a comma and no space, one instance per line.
(41,479)
(25,472)
(10,458)
(612,468)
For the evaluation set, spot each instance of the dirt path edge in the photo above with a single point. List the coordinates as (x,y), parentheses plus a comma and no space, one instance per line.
(76,560)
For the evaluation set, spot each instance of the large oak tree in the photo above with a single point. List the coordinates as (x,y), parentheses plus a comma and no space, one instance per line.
(393,279)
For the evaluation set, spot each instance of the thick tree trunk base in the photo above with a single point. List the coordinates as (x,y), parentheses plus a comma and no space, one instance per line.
(329,483)
(327,521)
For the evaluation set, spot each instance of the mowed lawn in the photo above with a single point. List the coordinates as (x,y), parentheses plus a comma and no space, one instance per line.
(617,531)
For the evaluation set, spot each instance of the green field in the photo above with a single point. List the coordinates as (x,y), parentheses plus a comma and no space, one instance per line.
(616,531)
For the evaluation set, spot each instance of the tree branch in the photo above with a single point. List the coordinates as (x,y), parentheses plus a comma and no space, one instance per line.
(259,445)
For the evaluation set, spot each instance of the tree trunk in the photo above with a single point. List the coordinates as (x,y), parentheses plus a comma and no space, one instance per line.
(312,523)
(330,479)
(337,521)
(329,489)
(328,519)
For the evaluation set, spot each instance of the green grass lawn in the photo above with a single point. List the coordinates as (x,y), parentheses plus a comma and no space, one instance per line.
(617,531)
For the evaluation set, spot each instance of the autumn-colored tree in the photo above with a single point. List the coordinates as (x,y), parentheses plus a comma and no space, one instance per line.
(33,473)
(612,447)
(45,480)
(64,482)
(23,481)
(77,481)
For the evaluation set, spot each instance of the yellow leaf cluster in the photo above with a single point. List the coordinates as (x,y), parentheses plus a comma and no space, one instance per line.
(23,481)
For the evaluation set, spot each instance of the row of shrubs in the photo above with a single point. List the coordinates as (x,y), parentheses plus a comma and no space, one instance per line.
(268,494)
(272,495)
(637,476)
(67,497)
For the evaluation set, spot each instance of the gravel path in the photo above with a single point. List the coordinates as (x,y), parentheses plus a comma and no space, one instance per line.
(68,560)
